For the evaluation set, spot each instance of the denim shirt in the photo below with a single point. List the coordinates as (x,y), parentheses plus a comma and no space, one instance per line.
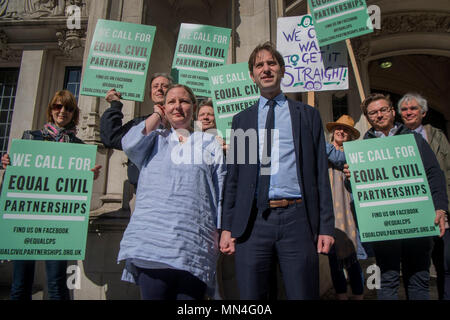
(335,157)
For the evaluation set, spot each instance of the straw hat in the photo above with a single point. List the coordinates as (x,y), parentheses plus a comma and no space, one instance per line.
(345,121)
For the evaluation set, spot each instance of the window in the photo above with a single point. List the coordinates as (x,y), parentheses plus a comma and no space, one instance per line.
(8,88)
(72,80)
(340,106)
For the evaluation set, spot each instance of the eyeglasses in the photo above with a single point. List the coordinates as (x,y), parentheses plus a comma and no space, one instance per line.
(59,107)
(384,110)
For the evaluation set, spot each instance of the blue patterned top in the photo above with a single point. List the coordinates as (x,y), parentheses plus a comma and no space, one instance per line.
(178,203)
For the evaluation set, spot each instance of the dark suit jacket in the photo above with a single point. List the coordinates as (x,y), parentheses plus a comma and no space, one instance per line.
(112,131)
(312,171)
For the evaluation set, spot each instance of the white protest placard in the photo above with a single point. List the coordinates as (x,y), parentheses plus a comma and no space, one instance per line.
(308,66)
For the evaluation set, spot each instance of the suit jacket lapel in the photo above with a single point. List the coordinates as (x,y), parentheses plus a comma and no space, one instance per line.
(253,116)
(295,112)
(294,109)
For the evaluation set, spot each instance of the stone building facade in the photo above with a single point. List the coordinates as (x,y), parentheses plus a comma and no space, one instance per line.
(43,46)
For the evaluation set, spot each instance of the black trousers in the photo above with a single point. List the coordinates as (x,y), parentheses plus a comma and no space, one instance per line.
(283,234)
(170,284)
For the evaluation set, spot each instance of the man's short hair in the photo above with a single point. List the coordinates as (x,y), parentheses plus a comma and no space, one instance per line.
(265,46)
(160,74)
(421,101)
(204,102)
(374,97)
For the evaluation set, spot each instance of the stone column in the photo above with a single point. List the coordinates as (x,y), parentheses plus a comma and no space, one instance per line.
(28,96)
(89,116)
(362,50)
(109,188)
(354,103)
(324,103)
(117,188)
(253,27)
(100,272)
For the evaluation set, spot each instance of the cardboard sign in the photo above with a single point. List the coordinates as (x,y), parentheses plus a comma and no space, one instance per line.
(337,20)
(232,91)
(45,201)
(308,66)
(199,48)
(390,189)
(119,59)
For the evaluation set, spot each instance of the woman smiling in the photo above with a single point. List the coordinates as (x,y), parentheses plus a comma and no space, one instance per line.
(170,245)
(62,116)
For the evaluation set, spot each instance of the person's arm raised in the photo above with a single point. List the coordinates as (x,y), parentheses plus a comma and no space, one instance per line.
(5,160)
(154,120)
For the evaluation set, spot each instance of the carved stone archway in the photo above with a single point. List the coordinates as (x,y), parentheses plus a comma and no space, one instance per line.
(419,45)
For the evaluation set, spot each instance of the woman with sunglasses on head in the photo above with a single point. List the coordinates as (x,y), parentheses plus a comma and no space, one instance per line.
(62,116)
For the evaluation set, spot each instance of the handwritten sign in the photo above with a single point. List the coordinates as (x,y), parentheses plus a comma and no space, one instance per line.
(118,58)
(45,201)
(199,48)
(308,66)
(337,20)
(390,189)
(232,91)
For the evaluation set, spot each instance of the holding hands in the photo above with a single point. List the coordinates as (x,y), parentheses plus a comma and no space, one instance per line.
(227,243)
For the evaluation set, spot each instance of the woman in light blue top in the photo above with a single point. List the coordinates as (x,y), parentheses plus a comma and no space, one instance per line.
(344,253)
(170,245)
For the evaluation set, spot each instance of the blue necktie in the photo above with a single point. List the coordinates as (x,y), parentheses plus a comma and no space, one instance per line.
(264,170)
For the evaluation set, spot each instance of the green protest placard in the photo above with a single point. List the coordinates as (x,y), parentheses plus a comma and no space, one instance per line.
(232,91)
(45,201)
(199,48)
(390,189)
(118,58)
(337,20)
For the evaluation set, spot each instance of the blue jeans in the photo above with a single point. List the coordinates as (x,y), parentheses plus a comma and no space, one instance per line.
(23,277)
(414,256)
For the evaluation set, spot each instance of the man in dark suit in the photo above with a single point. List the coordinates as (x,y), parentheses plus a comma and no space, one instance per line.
(112,130)
(277,198)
